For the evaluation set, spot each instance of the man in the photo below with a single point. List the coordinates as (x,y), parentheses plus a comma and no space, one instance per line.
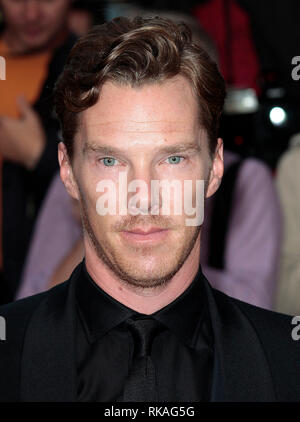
(137,320)
(242,269)
(34,41)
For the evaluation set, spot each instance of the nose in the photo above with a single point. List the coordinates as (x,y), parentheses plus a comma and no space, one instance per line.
(32,11)
(140,196)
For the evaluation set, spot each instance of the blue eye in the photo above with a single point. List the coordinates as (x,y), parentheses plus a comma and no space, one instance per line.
(175,159)
(109,161)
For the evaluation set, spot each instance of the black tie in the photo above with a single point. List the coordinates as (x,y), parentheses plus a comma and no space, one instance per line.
(140,385)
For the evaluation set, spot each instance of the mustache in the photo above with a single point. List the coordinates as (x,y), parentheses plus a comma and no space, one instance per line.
(130,222)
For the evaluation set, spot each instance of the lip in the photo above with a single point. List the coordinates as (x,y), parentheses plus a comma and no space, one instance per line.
(32,31)
(153,234)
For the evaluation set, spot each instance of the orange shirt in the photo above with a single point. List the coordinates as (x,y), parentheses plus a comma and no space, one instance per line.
(25,75)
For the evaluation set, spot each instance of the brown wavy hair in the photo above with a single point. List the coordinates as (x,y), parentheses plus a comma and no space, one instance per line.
(135,52)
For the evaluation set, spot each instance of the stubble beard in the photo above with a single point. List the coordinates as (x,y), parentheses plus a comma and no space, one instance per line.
(122,274)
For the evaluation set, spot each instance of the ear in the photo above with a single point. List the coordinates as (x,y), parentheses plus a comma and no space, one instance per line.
(66,171)
(217,170)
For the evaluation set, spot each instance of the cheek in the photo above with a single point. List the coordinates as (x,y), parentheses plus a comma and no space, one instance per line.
(55,14)
(201,167)
(87,189)
(90,196)
(205,166)
(14,18)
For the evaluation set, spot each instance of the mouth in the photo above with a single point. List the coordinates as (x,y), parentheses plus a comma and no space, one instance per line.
(139,234)
(32,32)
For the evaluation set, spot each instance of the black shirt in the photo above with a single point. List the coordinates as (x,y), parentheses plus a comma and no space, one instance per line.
(182,353)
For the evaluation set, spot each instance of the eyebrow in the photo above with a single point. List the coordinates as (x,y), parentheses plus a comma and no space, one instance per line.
(88,148)
(186,147)
(169,149)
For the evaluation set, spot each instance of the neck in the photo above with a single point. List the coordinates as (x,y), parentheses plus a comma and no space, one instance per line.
(146,301)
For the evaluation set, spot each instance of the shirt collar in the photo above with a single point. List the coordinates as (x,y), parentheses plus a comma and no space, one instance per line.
(100,312)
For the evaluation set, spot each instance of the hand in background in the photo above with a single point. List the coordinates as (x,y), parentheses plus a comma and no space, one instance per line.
(22,140)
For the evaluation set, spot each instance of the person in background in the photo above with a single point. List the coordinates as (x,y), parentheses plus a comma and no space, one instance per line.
(56,242)
(34,40)
(84,14)
(228,24)
(241,238)
(240,257)
(287,181)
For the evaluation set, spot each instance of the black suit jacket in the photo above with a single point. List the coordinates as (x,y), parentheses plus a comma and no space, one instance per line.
(256,358)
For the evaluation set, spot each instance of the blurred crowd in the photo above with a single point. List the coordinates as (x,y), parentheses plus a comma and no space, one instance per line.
(251,237)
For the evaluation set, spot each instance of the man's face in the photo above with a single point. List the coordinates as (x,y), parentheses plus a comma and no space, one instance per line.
(34,23)
(148,133)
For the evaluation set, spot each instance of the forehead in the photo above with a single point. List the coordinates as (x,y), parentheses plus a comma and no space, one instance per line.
(159,108)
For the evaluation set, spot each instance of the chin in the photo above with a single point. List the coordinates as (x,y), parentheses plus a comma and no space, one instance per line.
(36,44)
(143,282)
(148,274)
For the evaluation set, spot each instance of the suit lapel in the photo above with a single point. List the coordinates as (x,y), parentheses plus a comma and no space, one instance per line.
(48,368)
(241,371)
